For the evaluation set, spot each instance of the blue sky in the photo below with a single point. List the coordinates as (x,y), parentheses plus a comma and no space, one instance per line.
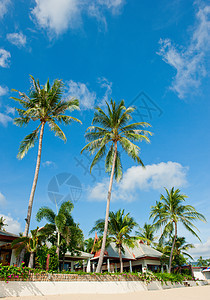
(153,54)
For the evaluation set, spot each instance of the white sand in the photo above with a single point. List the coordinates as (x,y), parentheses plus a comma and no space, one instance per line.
(189,293)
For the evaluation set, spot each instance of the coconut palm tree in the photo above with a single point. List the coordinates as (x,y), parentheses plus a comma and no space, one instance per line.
(30,243)
(110,130)
(89,245)
(45,105)
(174,211)
(62,223)
(147,233)
(119,228)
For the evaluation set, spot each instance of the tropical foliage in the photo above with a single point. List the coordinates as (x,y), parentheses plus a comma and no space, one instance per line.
(173,211)
(147,233)
(110,130)
(2,223)
(120,227)
(62,224)
(45,105)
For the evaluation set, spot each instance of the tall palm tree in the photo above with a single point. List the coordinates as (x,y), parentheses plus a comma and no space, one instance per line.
(44,104)
(147,233)
(174,211)
(113,129)
(119,228)
(62,223)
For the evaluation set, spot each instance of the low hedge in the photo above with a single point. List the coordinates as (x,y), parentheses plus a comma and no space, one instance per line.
(11,272)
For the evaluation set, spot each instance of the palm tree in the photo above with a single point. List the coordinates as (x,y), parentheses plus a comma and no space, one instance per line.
(147,233)
(45,105)
(173,212)
(113,129)
(30,243)
(119,229)
(2,223)
(62,223)
(89,245)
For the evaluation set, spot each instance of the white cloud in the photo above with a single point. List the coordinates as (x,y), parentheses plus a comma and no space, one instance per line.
(105,84)
(17,39)
(189,62)
(2,199)
(5,119)
(4,5)
(155,176)
(10,110)
(135,179)
(88,99)
(58,16)
(201,249)
(48,163)
(3,90)
(13,225)
(80,90)
(4,58)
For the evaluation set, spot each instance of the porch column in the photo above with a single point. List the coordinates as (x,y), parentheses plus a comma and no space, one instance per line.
(130,266)
(93,266)
(88,266)
(108,265)
(115,265)
(162,269)
(144,266)
(72,266)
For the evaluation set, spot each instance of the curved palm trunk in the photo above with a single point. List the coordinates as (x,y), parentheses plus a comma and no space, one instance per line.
(172,248)
(31,260)
(121,261)
(30,204)
(100,261)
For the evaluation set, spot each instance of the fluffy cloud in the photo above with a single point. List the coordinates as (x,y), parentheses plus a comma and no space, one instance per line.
(80,90)
(57,16)
(48,163)
(4,4)
(4,58)
(88,99)
(3,90)
(201,249)
(5,119)
(153,177)
(17,39)
(13,226)
(189,62)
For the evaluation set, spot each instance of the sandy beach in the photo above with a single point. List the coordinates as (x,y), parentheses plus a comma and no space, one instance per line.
(172,294)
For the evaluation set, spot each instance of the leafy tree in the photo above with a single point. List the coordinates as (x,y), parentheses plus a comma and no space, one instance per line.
(110,130)
(147,233)
(2,223)
(45,105)
(202,262)
(119,228)
(30,243)
(89,245)
(174,211)
(62,223)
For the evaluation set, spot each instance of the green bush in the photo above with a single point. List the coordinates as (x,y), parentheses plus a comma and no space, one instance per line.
(9,272)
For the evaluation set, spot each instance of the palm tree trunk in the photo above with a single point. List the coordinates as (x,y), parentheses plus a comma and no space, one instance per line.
(100,261)
(31,260)
(58,244)
(30,204)
(121,261)
(172,248)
